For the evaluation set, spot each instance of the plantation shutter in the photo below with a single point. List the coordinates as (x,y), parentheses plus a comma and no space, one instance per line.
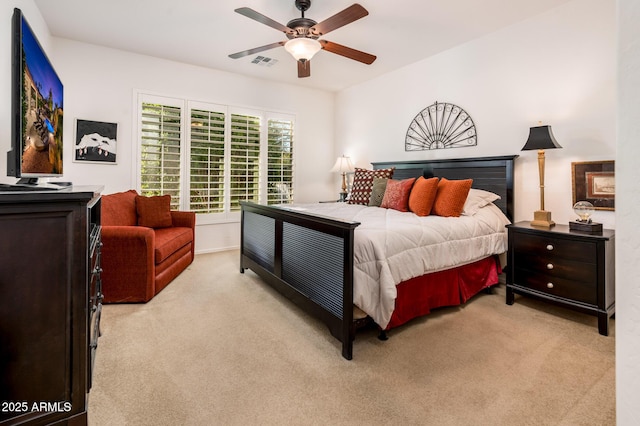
(206,187)
(160,151)
(279,161)
(244,160)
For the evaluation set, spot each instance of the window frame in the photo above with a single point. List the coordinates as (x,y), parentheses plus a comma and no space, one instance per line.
(186,106)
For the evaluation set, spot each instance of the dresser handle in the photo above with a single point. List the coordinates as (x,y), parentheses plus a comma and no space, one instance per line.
(549,265)
(549,285)
(549,247)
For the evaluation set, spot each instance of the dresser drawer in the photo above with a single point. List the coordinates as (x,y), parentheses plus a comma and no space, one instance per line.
(580,291)
(543,245)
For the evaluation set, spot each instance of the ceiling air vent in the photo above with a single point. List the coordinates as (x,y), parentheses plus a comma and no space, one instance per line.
(263,61)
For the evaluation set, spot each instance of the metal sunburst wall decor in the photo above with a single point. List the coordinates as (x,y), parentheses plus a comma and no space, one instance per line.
(439,126)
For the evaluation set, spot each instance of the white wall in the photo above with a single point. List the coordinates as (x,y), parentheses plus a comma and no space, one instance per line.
(628,232)
(558,68)
(100,84)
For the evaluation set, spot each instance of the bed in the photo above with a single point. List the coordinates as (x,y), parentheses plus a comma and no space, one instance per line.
(308,254)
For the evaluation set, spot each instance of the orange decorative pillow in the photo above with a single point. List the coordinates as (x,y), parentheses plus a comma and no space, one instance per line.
(422,196)
(396,196)
(450,197)
(154,212)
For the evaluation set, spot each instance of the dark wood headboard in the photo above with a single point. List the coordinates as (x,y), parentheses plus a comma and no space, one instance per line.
(493,174)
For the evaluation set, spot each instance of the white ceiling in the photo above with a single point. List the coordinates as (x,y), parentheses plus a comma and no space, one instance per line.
(205,32)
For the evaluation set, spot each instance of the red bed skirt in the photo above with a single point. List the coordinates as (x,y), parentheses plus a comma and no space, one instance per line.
(417,296)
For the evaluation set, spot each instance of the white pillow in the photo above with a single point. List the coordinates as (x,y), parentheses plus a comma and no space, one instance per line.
(477,199)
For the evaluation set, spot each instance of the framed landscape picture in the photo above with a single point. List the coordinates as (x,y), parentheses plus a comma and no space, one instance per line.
(594,181)
(96,142)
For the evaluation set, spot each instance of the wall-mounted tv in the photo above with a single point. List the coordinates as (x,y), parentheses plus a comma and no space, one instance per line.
(36,109)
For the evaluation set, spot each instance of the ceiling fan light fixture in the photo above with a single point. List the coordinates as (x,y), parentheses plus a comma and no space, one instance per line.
(303,48)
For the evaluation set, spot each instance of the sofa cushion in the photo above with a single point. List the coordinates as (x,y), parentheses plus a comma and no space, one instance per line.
(119,209)
(170,240)
(154,212)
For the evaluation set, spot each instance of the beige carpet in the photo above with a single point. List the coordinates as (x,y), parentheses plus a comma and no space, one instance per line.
(217,347)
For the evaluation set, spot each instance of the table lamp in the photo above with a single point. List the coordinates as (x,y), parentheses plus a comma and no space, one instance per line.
(541,138)
(344,166)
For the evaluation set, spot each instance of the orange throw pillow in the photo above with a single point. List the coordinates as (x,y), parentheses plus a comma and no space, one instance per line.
(154,212)
(451,196)
(422,196)
(396,195)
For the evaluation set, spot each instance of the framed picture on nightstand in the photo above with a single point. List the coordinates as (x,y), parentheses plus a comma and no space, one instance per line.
(594,181)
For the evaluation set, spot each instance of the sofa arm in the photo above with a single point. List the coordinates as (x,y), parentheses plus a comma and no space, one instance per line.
(128,263)
(183,219)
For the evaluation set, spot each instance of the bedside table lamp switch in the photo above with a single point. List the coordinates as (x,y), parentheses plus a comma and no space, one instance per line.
(541,138)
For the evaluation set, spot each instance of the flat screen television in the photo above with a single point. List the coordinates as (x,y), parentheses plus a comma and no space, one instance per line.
(36,109)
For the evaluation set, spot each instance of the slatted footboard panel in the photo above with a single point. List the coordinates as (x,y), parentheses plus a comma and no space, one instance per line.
(307,258)
(301,264)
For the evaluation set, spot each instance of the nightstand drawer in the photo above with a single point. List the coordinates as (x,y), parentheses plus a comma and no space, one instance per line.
(580,291)
(556,266)
(543,245)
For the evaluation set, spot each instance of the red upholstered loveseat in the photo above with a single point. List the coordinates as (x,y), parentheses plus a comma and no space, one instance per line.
(139,261)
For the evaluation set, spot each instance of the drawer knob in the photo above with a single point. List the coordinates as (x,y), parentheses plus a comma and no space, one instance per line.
(549,285)
(549,247)
(549,265)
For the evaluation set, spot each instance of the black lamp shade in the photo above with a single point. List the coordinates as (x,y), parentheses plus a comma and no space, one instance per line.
(541,137)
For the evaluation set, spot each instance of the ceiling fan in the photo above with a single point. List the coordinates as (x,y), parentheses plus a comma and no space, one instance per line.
(304,33)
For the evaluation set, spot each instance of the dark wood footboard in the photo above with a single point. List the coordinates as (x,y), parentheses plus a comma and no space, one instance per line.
(307,258)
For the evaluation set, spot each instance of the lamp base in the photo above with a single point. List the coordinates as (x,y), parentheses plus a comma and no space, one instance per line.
(542,218)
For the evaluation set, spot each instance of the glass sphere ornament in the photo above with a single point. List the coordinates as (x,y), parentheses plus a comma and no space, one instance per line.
(584,210)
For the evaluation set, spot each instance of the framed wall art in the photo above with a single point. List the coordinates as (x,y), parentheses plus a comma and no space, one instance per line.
(96,142)
(594,181)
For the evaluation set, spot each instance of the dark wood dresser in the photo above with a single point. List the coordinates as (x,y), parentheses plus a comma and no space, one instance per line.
(50,303)
(573,269)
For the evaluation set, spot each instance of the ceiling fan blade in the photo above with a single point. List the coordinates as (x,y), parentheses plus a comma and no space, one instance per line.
(257,16)
(256,50)
(347,52)
(340,19)
(304,69)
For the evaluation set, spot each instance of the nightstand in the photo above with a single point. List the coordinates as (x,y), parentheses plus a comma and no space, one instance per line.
(569,268)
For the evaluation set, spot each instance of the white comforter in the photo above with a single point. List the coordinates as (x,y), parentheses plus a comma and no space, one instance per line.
(392,246)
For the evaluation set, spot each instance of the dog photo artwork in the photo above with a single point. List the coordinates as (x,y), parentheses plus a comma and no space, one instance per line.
(96,141)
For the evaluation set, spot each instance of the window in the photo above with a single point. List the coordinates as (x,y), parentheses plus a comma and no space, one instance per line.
(280,161)
(244,160)
(160,143)
(211,157)
(206,186)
